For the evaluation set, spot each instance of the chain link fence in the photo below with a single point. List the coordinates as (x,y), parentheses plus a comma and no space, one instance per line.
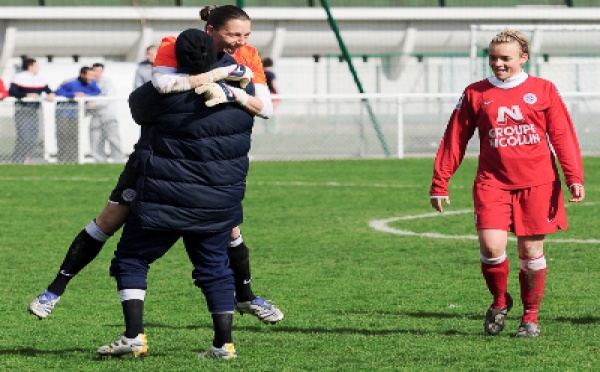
(302,128)
(64,131)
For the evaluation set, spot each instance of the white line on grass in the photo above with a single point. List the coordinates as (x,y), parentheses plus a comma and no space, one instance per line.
(382,225)
(258,183)
(332,184)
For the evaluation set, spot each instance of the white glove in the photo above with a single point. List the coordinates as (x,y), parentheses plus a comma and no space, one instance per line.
(216,93)
(239,73)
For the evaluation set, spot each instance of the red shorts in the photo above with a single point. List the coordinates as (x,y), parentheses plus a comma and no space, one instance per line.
(535,210)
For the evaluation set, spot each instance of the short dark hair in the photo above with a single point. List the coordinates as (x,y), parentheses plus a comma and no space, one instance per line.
(195,51)
(98,64)
(27,62)
(267,62)
(84,70)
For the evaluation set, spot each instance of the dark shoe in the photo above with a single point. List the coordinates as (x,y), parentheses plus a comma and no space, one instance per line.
(494,318)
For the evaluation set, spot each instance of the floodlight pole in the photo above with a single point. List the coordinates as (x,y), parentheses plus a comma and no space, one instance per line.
(348,59)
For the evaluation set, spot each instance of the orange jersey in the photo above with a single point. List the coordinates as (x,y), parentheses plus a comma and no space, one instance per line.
(246,55)
(165,55)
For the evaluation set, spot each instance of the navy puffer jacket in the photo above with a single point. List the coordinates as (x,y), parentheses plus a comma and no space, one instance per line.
(193,161)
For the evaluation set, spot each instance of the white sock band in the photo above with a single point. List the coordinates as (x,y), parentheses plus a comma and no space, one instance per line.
(96,233)
(132,294)
(534,264)
(237,241)
(224,312)
(492,261)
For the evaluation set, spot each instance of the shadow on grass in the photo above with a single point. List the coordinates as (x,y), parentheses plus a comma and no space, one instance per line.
(27,351)
(352,331)
(315,330)
(368,332)
(31,352)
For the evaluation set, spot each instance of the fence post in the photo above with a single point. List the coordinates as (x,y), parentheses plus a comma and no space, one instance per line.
(81,132)
(400,121)
(49,127)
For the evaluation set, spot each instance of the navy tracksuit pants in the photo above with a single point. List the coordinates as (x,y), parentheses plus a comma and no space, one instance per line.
(138,248)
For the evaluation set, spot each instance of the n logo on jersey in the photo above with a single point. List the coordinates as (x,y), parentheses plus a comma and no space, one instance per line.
(514,113)
(515,133)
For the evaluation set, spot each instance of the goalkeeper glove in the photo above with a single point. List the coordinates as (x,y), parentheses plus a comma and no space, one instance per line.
(216,93)
(239,73)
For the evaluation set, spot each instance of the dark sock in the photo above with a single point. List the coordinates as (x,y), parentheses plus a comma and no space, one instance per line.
(133,312)
(239,262)
(222,326)
(82,251)
(59,284)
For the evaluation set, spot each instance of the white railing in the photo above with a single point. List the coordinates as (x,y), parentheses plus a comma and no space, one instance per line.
(319,126)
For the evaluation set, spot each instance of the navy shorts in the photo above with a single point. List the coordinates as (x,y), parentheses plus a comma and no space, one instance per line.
(139,248)
(124,191)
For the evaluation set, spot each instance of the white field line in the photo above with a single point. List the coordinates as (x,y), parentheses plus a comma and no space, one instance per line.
(382,225)
(331,184)
(256,183)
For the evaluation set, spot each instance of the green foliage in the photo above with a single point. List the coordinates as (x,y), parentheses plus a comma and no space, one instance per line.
(354,298)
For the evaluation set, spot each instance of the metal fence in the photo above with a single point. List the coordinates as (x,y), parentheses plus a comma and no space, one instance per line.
(303,127)
(62,131)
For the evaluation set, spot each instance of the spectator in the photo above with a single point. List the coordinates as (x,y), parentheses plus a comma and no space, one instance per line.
(104,128)
(67,114)
(271,78)
(143,73)
(28,84)
(3,91)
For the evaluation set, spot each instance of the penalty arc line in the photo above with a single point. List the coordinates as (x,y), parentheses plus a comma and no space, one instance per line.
(383,226)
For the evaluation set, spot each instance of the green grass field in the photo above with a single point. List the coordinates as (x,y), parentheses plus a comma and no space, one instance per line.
(355,299)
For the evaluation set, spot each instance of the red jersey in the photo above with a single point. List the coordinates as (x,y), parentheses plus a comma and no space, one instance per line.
(246,55)
(517,120)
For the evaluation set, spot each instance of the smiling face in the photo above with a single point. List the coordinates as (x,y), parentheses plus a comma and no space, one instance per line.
(506,59)
(230,37)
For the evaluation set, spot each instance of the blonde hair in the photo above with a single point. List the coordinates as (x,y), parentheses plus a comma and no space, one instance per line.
(508,36)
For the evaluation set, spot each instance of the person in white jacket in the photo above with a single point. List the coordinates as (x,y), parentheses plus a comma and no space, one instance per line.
(104,127)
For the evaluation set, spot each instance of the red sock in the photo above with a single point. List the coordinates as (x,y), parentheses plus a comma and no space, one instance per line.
(532,278)
(496,278)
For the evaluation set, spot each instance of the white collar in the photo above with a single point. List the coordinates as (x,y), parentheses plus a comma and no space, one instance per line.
(511,82)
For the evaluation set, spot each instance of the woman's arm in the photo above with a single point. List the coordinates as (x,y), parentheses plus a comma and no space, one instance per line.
(261,104)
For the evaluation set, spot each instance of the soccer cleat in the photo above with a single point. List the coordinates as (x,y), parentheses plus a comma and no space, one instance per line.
(137,346)
(226,351)
(43,304)
(260,308)
(528,330)
(494,318)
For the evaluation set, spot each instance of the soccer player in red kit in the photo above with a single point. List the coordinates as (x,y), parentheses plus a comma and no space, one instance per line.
(517,187)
